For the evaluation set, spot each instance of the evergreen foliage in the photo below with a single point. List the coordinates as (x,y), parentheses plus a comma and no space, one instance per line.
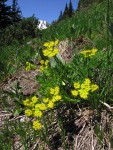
(26,28)
(8,14)
(71,10)
(68,11)
(5,14)
(29,26)
(16,12)
(60,16)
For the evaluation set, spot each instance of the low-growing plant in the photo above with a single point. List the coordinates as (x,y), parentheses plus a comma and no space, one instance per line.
(80,82)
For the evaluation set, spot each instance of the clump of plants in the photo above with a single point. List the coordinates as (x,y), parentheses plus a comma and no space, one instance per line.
(64,86)
(53,80)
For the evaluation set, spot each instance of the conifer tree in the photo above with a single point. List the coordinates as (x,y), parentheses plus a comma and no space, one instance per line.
(71,10)
(66,12)
(60,16)
(5,14)
(16,12)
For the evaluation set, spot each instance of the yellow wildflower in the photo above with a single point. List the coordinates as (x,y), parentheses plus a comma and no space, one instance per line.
(83,94)
(56,90)
(94,50)
(50,104)
(76,85)
(28,112)
(45,100)
(74,92)
(37,125)
(46,62)
(46,44)
(56,51)
(47,52)
(53,99)
(27,63)
(50,50)
(89,53)
(42,62)
(51,43)
(94,87)
(41,68)
(41,106)
(58,97)
(51,54)
(26,102)
(44,65)
(56,42)
(85,87)
(29,66)
(87,81)
(52,91)
(37,113)
(34,99)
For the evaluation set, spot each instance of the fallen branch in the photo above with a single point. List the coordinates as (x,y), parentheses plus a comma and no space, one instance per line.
(107,106)
(10,114)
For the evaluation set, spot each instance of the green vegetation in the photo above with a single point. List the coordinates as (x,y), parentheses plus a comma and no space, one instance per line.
(9,14)
(83,83)
(68,12)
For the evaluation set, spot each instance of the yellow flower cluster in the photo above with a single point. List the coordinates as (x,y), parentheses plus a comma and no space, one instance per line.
(89,53)
(44,65)
(29,66)
(51,49)
(36,107)
(37,125)
(53,98)
(54,92)
(84,88)
(33,111)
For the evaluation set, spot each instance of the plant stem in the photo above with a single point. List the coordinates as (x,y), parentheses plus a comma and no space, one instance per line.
(62,132)
(108,21)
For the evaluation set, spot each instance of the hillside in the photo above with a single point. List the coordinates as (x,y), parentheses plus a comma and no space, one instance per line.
(87,3)
(57,88)
(91,23)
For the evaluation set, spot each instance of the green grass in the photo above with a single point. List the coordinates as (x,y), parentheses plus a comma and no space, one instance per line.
(91,23)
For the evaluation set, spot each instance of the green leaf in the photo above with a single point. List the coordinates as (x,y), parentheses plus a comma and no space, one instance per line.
(17,112)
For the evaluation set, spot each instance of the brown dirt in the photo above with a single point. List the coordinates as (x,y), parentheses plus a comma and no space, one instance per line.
(28,84)
(81,127)
(26,80)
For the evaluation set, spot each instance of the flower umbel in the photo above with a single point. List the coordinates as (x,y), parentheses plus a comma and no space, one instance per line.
(28,112)
(51,49)
(35,107)
(84,89)
(29,66)
(89,53)
(44,65)
(37,125)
